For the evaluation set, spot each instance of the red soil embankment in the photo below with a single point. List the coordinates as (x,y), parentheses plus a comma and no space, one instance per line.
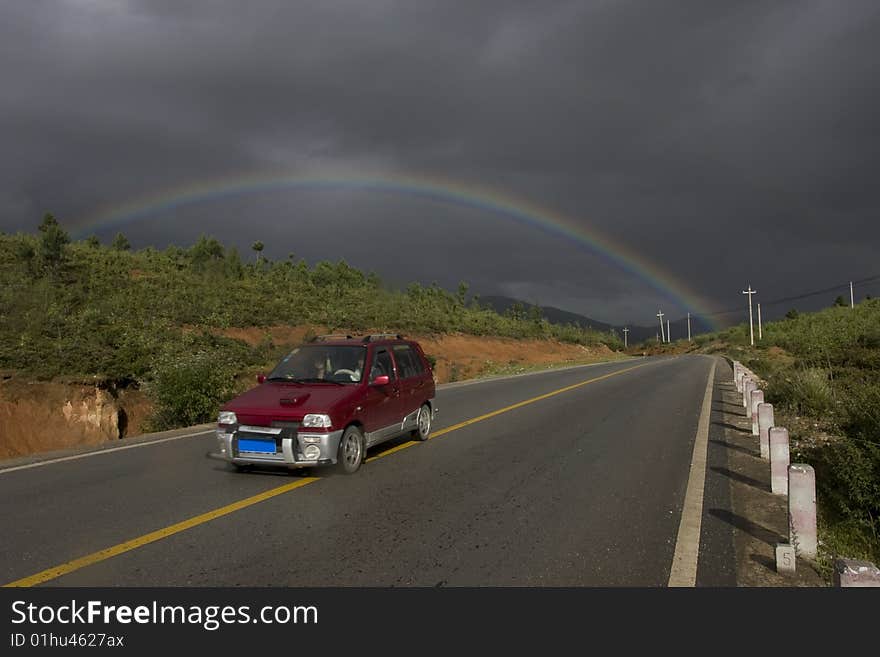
(45,416)
(457,356)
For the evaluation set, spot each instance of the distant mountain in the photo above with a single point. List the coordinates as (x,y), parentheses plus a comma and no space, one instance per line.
(553,315)
(678,328)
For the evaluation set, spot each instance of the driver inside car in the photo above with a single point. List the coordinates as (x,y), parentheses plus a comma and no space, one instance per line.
(319,366)
(356,371)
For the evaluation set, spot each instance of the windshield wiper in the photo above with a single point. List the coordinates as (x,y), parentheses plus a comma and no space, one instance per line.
(286,379)
(316,380)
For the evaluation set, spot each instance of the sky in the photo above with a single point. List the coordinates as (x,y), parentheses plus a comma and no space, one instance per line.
(714,145)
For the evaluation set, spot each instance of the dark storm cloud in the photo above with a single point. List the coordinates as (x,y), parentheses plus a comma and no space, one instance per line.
(676,129)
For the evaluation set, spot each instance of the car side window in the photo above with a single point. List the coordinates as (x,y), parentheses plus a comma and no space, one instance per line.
(408,362)
(382,365)
(418,362)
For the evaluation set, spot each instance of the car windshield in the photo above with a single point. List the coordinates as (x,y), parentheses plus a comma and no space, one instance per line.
(321,363)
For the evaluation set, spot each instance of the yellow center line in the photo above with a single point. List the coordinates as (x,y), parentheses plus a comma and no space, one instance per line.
(506,409)
(474,420)
(165,532)
(107,553)
(388,452)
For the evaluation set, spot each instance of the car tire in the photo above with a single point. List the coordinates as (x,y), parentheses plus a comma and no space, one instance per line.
(423,424)
(351,451)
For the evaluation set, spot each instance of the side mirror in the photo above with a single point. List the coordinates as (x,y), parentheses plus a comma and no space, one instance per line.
(261,378)
(382,380)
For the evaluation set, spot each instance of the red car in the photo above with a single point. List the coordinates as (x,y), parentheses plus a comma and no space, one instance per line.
(328,401)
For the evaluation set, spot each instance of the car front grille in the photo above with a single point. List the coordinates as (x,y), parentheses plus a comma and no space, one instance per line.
(289,430)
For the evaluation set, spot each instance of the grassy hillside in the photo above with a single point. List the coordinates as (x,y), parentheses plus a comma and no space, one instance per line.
(123,317)
(823,378)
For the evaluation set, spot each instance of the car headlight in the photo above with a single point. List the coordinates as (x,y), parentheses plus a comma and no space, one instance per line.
(316,420)
(227,417)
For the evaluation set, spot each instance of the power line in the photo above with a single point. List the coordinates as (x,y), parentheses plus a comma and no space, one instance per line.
(797,297)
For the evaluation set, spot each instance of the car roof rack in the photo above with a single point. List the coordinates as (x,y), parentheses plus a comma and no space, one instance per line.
(331,336)
(382,336)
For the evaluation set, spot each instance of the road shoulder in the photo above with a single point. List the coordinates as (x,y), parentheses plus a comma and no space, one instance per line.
(756,518)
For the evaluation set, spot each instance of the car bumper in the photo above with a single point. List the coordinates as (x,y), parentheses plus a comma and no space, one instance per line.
(289,450)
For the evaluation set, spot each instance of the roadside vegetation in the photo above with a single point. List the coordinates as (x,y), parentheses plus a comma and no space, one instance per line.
(823,378)
(149,318)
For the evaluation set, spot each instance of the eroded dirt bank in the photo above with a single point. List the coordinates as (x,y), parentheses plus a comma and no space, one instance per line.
(44,416)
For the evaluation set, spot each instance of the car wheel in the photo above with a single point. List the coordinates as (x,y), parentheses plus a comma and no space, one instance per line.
(351,451)
(423,423)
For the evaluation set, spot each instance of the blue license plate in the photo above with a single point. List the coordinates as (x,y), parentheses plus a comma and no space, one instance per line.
(256,445)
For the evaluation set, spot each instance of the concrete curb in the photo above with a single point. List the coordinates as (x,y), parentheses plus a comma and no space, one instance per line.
(849,573)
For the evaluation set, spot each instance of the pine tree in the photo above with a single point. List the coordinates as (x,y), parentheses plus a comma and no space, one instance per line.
(234,268)
(121,243)
(53,242)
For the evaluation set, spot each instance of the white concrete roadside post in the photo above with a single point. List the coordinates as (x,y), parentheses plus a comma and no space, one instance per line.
(765,422)
(737,375)
(779,459)
(785,559)
(756,397)
(852,573)
(749,384)
(802,509)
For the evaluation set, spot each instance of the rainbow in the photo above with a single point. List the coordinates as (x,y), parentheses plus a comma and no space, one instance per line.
(434,190)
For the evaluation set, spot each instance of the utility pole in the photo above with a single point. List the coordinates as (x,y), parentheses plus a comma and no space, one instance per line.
(625,343)
(668,332)
(689,327)
(750,292)
(852,300)
(662,335)
(760,329)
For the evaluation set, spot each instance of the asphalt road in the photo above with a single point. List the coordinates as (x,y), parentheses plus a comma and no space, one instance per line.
(581,488)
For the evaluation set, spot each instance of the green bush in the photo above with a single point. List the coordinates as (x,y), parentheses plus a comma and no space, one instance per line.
(188,388)
(869,337)
(863,412)
(848,484)
(804,391)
